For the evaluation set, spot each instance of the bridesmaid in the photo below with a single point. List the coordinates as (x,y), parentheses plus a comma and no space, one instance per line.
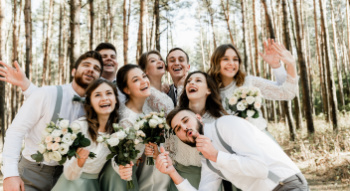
(226,70)
(202,96)
(101,106)
(134,83)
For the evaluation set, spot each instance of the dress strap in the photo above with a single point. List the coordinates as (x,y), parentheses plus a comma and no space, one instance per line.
(58,104)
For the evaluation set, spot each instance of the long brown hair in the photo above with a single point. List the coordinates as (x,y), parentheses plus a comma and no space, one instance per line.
(143,59)
(91,115)
(214,69)
(212,104)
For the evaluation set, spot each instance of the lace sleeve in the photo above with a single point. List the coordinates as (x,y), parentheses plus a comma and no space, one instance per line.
(273,91)
(159,101)
(280,74)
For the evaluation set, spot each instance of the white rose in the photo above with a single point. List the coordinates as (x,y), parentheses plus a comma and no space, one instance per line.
(114,135)
(42,148)
(143,134)
(64,124)
(243,95)
(57,139)
(63,149)
(56,133)
(73,136)
(240,106)
(232,100)
(48,129)
(250,99)
(55,155)
(75,127)
(258,99)
(55,146)
(99,139)
(113,142)
(136,141)
(245,90)
(250,113)
(67,139)
(161,114)
(64,131)
(121,135)
(137,126)
(153,123)
(46,157)
(48,139)
(139,133)
(257,105)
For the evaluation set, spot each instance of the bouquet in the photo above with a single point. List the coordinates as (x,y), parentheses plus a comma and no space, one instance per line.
(245,102)
(61,141)
(122,146)
(153,125)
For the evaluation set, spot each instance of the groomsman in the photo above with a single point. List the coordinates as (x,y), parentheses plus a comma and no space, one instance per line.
(178,66)
(232,150)
(45,104)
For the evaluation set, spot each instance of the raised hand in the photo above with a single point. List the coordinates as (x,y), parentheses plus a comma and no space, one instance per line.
(82,155)
(270,55)
(287,58)
(125,172)
(151,149)
(13,183)
(205,146)
(164,163)
(14,76)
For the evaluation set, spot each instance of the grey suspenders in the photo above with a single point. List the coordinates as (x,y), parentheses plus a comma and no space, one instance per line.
(272,176)
(57,105)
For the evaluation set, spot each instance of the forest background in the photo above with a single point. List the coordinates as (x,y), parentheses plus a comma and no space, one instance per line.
(47,36)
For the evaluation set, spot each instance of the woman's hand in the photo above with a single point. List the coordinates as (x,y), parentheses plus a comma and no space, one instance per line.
(82,155)
(151,149)
(14,76)
(270,55)
(125,172)
(287,58)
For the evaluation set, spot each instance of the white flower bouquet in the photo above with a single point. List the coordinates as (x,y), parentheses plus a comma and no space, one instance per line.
(154,125)
(61,141)
(122,144)
(245,102)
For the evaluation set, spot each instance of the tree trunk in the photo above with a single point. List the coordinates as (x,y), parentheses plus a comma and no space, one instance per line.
(111,21)
(74,28)
(157,21)
(337,60)
(303,74)
(211,15)
(287,42)
(330,78)
(2,84)
(28,29)
(125,32)
(47,44)
(268,20)
(257,68)
(92,13)
(227,18)
(245,44)
(60,52)
(139,50)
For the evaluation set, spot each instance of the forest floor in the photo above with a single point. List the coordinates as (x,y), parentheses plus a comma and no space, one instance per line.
(324,157)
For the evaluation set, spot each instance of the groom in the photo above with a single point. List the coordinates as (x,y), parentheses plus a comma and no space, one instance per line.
(233,150)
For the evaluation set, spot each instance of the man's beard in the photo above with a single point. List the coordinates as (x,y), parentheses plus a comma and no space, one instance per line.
(79,80)
(200,131)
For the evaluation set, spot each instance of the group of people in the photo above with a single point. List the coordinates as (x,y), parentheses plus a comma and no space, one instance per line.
(208,149)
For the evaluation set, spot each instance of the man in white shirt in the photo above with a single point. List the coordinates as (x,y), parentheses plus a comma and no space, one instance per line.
(233,150)
(38,110)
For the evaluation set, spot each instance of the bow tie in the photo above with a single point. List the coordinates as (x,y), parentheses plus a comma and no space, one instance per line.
(78,99)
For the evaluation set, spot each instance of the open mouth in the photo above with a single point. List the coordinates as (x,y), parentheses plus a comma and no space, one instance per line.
(192,90)
(160,67)
(145,88)
(177,69)
(105,106)
(189,133)
(89,76)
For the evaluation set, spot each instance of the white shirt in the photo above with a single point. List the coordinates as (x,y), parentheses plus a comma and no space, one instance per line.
(92,166)
(31,121)
(256,155)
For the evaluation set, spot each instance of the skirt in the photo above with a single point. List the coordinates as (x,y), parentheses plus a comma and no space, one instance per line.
(109,180)
(88,182)
(191,173)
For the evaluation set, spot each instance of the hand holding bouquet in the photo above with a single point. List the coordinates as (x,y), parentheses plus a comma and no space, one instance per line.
(61,141)
(245,102)
(154,124)
(122,146)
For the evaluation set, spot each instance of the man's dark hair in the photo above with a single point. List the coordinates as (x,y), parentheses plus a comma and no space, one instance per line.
(105,45)
(90,54)
(172,50)
(172,114)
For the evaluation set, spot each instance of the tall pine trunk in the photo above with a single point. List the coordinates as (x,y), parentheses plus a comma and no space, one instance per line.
(126,16)
(303,74)
(28,32)
(330,78)
(47,44)
(268,20)
(245,44)
(2,84)
(226,11)
(211,15)
(157,22)
(74,28)
(92,13)
(257,68)
(140,35)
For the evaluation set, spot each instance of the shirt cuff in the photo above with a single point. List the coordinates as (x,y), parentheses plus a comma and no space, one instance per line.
(184,185)
(222,159)
(29,90)
(9,170)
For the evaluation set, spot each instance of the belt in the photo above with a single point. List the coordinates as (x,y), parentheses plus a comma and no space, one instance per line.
(299,177)
(43,167)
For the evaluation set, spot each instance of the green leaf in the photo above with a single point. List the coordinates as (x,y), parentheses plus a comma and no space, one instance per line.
(110,156)
(256,115)
(85,142)
(92,155)
(71,153)
(38,157)
(61,162)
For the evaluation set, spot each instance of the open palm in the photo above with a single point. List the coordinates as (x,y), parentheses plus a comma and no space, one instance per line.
(14,76)
(270,55)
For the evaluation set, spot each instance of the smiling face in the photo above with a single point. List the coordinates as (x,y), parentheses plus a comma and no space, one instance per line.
(229,65)
(103,99)
(110,64)
(177,64)
(88,70)
(155,65)
(196,87)
(187,126)
(138,85)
